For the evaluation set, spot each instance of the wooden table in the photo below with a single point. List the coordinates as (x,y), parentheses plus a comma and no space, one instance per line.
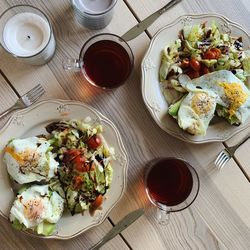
(219,218)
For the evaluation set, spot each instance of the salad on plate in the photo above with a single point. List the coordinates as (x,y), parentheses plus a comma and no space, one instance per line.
(205,72)
(70,168)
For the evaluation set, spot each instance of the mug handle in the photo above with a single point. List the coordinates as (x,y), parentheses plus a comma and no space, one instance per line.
(163,216)
(71,64)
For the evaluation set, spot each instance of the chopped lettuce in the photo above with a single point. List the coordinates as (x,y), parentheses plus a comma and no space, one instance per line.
(246,63)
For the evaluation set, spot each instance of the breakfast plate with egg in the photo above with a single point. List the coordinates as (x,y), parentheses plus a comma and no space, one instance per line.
(196,78)
(63,168)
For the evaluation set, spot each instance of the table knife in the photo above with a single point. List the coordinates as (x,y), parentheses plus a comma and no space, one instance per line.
(143,25)
(120,226)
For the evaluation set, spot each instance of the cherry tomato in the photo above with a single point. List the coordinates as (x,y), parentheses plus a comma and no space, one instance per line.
(79,163)
(94,142)
(77,182)
(209,55)
(217,52)
(193,74)
(70,154)
(195,64)
(97,202)
(185,63)
(204,70)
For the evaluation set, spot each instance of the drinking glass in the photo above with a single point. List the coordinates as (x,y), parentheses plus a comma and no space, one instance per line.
(172,185)
(105,61)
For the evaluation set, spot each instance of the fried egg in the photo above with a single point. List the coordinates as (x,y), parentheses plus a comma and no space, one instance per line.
(30,160)
(35,205)
(196,111)
(232,93)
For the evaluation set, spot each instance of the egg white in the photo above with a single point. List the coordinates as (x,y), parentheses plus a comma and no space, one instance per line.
(196,111)
(35,205)
(212,82)
(27,160)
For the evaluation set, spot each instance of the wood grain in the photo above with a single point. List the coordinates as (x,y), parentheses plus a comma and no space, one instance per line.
(219,218)
(7,96)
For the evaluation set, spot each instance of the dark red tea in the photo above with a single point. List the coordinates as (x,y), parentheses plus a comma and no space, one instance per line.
(169,181)
(107,64)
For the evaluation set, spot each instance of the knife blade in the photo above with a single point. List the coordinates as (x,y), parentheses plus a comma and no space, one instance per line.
(143,25)
(119,227)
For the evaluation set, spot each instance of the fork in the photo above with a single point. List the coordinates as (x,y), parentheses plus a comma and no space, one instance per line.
(226,154)
(26,100)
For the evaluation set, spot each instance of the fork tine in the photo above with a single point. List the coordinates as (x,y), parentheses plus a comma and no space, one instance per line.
(34,90)
(223,163)
(36,95)
(218,157)
(38,86)
(36,98)
(222,158)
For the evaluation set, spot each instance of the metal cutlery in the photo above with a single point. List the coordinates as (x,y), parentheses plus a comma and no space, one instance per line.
(144,24)
(120,226)
(26,100)
(226,154)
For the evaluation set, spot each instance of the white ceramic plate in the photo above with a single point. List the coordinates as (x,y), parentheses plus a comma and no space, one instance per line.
(151,91)
(32,121)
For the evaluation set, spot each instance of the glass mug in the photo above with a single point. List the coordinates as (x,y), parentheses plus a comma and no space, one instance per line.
(171,185)
(105,60)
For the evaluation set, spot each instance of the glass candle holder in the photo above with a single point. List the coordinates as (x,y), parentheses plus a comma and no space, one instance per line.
(26,33)
(94,14)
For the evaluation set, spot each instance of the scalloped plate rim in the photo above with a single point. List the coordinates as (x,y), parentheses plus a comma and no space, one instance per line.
(121,145)
(183,135)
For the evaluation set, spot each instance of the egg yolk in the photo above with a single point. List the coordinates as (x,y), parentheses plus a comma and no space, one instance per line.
(235,96)
(201,103)
(33,209)
(28,157)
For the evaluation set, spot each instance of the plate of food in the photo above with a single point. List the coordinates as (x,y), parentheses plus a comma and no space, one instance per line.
(63,168)
(196,78)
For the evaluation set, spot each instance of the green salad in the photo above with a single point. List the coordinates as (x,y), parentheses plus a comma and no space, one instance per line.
(85,171)
(199,50)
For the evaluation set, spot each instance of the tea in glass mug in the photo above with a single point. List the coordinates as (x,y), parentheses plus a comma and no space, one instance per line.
(172,185)
(105,60)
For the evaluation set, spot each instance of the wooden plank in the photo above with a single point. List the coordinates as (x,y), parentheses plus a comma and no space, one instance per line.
(7,96)
(237,12)
(12,239)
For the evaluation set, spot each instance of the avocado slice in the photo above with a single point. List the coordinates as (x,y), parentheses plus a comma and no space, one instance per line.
(46,228)
(174,108)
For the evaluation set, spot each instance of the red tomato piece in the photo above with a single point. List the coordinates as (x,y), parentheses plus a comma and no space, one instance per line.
(79,162)
(185,63)
(195,64)
(193,74)
(204,70)
(77,182)
(97,202)
(209,55)
(70,154)
(94,142)
(217,52)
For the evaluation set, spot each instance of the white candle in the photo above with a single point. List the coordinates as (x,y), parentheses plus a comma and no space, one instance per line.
(26,34)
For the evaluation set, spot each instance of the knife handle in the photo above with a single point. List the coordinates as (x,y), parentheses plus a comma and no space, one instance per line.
(150,19)
(168,6)
(144,24)
(119,227)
